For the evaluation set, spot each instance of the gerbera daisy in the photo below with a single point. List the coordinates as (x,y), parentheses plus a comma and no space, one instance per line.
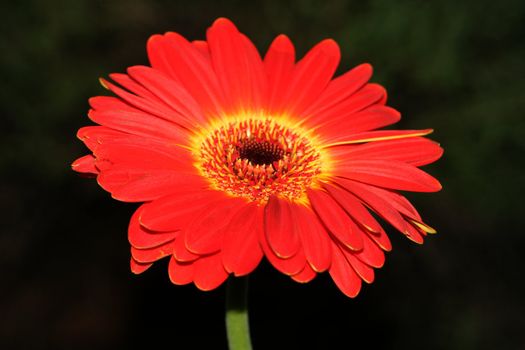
(236,158)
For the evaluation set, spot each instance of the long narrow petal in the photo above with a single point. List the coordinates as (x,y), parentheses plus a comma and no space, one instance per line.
(341,88)
(241,252)
(369,95)
(389,174)
(335,219)
(343,274)
(141,186)
(416,151)
(279,63)
(378,135)
(314,238)
(344,127)
(365,272)
(381,206)
(311,76)
(236,65)
(190,64)
(280,229)
(353,207)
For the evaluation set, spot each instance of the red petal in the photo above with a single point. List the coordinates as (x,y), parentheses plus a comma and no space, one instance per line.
(209,272)
(145,154)
(306,275)
(389,174)
(241,251)
(343,274)
(343,127)
(279,227)
(335,219)
(181,252)
(398,202)
(171,93)
(315,239)
(416,151)
(189,64)
(202,47)
(136,122)
(153,254)
(354,208)
(371,254)
(180,273)
(85,164)
(204,235)
(364,271)
(141,238)
(233,64)
(289,266)
(341,88)
(279,63)
(376,202)
(311,76)
(176,211)
(138,268)
(131,185)
(414,234)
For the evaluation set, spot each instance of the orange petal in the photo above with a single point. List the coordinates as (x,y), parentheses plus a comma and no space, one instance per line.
(138,268)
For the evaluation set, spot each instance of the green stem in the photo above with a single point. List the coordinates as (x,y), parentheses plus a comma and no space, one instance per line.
(237,326)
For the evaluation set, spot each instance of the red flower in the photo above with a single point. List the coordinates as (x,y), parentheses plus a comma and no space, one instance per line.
(237,157)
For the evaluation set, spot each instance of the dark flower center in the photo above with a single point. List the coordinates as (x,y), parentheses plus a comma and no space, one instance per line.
(260,153)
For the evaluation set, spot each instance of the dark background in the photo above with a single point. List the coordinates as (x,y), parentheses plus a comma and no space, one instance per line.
(455,66)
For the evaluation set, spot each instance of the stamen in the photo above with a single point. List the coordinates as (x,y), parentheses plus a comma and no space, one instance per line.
(257,158)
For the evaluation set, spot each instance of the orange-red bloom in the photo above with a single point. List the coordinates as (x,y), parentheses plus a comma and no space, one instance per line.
(236,157)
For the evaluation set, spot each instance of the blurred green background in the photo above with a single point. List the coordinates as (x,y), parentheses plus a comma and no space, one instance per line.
(455,66)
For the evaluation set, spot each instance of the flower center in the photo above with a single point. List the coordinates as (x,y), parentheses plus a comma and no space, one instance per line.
(257,158)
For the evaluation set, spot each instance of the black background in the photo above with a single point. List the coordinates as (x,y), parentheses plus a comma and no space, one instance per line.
(455,66)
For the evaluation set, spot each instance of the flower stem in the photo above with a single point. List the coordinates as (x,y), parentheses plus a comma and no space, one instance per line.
(237,326)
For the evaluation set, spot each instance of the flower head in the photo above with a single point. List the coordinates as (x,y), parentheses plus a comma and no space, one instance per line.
(235,157)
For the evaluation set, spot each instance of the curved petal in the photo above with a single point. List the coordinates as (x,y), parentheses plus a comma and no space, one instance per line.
(335,219)
(204,235)
(343,274)
(315,239)
(306,275)
(141,238)
(138,268)
(241,252)
(190,65)
(341,88)
(176,211)
(279,63)
(389,174)
(416,151)
(279,227)
(145,256)
(237,65)
(209,272)
(85,164)
(180,273)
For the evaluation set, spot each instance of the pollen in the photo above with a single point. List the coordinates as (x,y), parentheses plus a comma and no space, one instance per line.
(256,159)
